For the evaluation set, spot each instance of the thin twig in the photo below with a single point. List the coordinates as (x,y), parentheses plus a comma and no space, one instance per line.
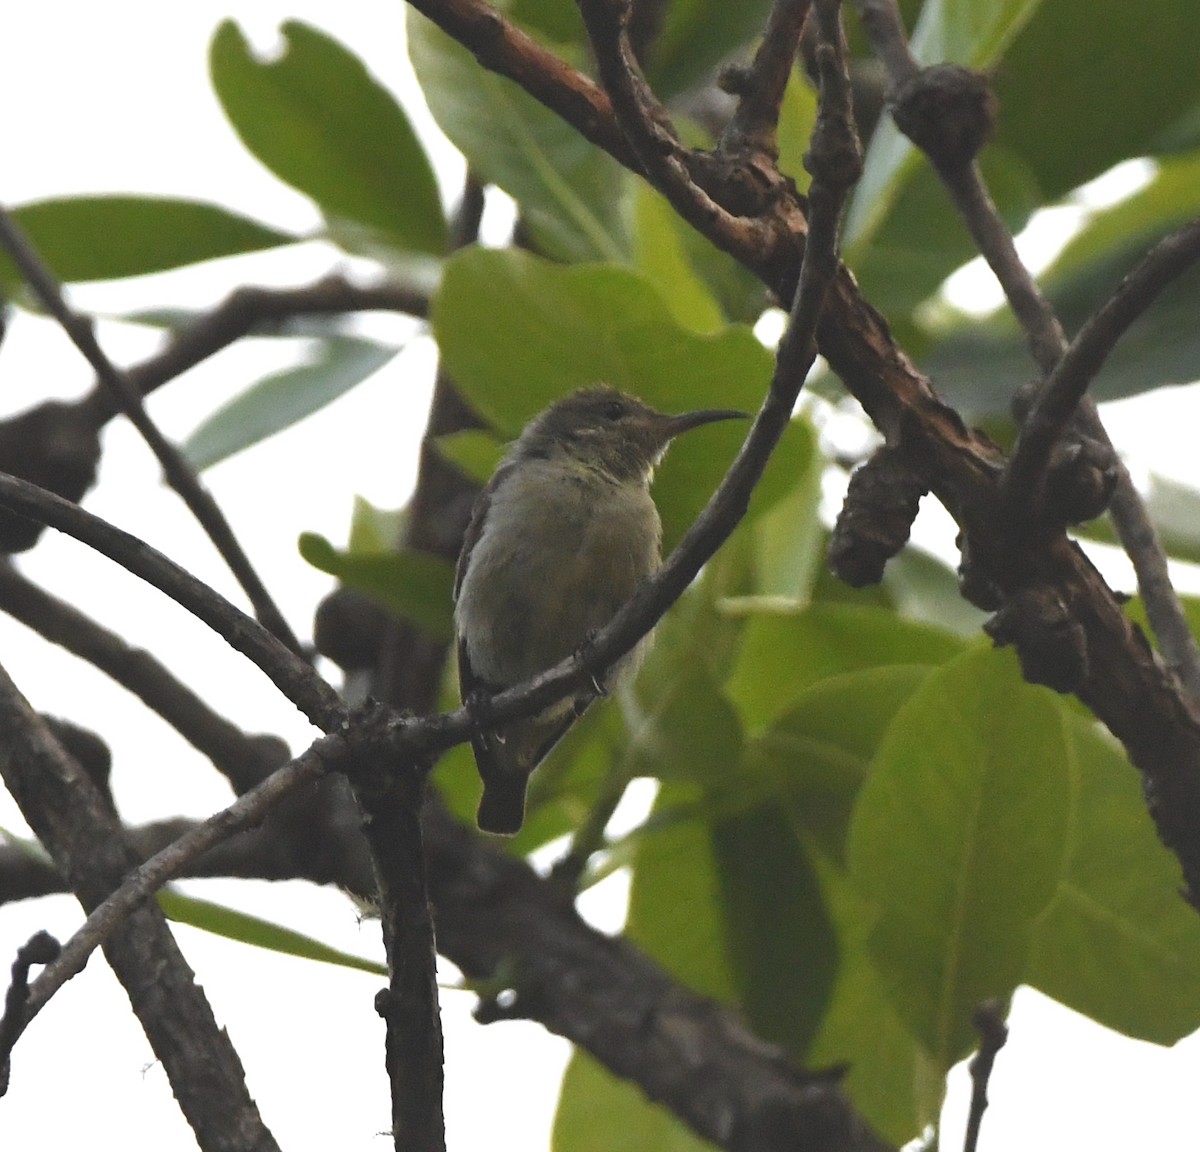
(175,468)
(761,86)
(243,760)
(993,1034)
(245,812)
(40,948)
(648,128)
(1065,386)
(295,678)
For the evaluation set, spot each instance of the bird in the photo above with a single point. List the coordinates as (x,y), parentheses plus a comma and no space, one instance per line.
(559,539)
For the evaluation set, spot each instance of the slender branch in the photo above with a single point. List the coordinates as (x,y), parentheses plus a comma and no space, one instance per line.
(1066,386)
(648,128)
(250,309)
(993,1035)
(761,86)
(70,816)
(243,760)
(292,676)
(1047,344)
(40,948)
(173,860)
(176,470)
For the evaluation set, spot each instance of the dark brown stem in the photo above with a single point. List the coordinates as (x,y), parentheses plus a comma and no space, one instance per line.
(70,816)
(993,1035)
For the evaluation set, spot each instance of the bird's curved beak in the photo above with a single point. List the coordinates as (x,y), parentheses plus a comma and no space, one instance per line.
(673,426)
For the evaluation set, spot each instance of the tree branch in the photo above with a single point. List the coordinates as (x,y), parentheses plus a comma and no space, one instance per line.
(176,470)
(69,816)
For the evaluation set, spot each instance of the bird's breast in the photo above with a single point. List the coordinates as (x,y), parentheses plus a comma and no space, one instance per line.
(561,550)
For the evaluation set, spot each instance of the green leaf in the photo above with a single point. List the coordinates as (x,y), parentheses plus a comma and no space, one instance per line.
(786,651)
(568,190)
(411,585)
(699,35)
(1118,942)
(247,929)
(285,398)
(675,895)
(980,365)
(779,939)
(926,590)
(797,118)
(375,529)
(682,728)
(517,332)
(475,452)
(321,123)
(109,237)
(1105,122)
(597,1112)
(973,33)
(660,254)
(957,837)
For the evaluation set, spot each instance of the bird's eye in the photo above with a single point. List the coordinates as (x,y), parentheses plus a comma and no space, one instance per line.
(614,409)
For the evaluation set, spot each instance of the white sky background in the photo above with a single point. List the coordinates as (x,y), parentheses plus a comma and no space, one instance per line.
(115,97)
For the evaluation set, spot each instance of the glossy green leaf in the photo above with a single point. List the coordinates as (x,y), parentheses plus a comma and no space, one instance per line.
(786,651)
(375,529)
(517,332)
(968,32)
(1118,942)
(568,191)
(285,398)
(109,237)
(699,35)
(598,1112)
(412,585)
(957,837)
(659,253)
(247,929)
(321,123)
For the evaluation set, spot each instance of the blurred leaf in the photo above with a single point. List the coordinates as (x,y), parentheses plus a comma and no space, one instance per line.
(779,939)
(410,585)
(797,118)
(1118,942)
(922,241)
(660,255)
(555,20)
(86,238)
(699,35)
(685,729)
(1147,58)
(674,898)
(978,367)
(926,590)
(475,452)
(561,328)
(784,652)
(957,838)
(285,398)
(973,33)
(597,1112)
(321,123)
(375,529)
(568,190)
(789,538)
(247,929)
